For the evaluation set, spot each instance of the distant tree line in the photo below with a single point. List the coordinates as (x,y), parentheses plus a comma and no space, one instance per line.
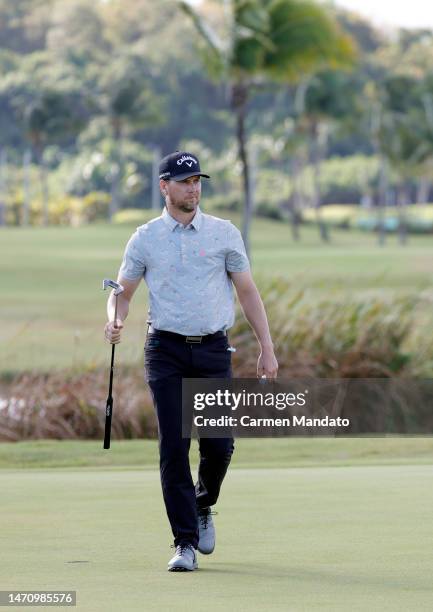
(92,94)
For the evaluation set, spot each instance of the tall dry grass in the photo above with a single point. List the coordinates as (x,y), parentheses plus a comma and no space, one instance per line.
(337,336)
(327,337)
(65,406)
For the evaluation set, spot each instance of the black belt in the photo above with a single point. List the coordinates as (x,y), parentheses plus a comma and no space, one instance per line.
(189,339)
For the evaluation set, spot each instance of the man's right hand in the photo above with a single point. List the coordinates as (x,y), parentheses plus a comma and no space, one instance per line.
(112,332)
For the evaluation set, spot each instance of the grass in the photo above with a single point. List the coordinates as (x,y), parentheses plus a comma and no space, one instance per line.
(293,538)
(304,524)
(250,453)
(53,307)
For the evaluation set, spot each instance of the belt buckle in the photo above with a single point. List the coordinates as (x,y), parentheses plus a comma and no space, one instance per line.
(193,339)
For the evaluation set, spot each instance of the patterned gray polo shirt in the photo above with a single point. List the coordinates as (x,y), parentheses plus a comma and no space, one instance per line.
(186,271)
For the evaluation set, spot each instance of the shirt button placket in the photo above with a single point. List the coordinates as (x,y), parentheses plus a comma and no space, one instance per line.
(182,246)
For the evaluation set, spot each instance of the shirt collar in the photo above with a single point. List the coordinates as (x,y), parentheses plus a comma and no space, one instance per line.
(172,223)
(168,219)
(197,219)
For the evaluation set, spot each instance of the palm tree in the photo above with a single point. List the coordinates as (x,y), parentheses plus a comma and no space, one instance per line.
(326,100)
(406,135)
(27,159)
(37,117)
(267,40)
(129,103)
(51,117)
(3,185)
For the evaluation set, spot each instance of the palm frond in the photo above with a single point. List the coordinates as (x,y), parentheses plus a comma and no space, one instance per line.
(305,38)
(207,33)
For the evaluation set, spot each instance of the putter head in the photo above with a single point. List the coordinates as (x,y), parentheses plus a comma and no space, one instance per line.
(118,288)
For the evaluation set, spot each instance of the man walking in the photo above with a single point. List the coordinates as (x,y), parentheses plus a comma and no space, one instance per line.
(190,262)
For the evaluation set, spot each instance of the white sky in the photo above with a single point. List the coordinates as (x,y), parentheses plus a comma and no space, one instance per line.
(402,13)
(386,13)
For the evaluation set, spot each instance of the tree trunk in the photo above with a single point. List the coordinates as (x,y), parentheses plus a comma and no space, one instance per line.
(294,221)
(402,199)
(383,188)
(156,193)
(423,190)
(293,203)
(39,154)
(27,158)
(253,161)
(116,173)
(316,160)
(366,198)
(239,100)
(3,186)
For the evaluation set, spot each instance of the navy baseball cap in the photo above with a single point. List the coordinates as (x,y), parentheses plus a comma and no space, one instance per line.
(180,165)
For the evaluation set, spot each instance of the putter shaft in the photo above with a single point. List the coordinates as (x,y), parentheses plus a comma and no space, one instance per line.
(109,405)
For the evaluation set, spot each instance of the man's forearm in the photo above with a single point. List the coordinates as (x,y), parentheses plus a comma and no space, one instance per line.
(255,314)
(122,307)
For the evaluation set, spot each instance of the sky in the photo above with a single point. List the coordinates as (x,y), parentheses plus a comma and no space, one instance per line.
(401,13)
(387,13)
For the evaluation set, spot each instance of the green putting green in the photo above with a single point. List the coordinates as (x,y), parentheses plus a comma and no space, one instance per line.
(311,538)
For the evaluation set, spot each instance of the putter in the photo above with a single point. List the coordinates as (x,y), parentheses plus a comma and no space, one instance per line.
(109,406)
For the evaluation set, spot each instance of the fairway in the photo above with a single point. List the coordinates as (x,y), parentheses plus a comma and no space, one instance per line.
(53,306)
(321,538)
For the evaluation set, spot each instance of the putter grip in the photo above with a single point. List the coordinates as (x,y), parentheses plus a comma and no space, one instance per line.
(108,414)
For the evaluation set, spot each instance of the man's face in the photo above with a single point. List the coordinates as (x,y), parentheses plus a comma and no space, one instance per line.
(183,195)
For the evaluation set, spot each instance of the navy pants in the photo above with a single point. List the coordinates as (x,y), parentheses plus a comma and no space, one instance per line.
(168,359)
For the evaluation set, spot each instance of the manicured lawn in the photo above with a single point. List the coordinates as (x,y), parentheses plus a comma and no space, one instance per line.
(250,453)
(53,307)
(303,524)
(313,538)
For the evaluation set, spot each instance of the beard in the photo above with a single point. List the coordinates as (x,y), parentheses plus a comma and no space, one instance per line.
(187,206)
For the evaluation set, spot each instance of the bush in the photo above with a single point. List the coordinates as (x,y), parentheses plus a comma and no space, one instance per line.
(389,224)
(415,224)
(14,207)
(419,219)
(65,210)
(70,210)
(342,179)
(95,206)
(333,337)
(269,211)
(65,406)
(62,210)
(221,203)
(134,216)
(420,226)
(337,337)
(334,215)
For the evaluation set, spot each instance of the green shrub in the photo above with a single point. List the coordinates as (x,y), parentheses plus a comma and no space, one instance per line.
(419,219)
(14,206)
(269,211)
(134,216)
(95,206)
(420,226)
(221,203)
(65,210)
(343,179)
(334,337)
(334,215)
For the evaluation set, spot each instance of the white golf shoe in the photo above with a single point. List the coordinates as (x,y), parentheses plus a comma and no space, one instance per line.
(184,560)
(206,531)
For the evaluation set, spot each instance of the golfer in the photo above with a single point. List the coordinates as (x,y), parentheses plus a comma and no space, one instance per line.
(190,261)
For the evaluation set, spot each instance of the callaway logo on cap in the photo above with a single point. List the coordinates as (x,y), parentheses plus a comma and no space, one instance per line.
(179,165)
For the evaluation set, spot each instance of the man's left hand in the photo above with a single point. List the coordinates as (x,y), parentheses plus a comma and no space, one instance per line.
(267,364)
